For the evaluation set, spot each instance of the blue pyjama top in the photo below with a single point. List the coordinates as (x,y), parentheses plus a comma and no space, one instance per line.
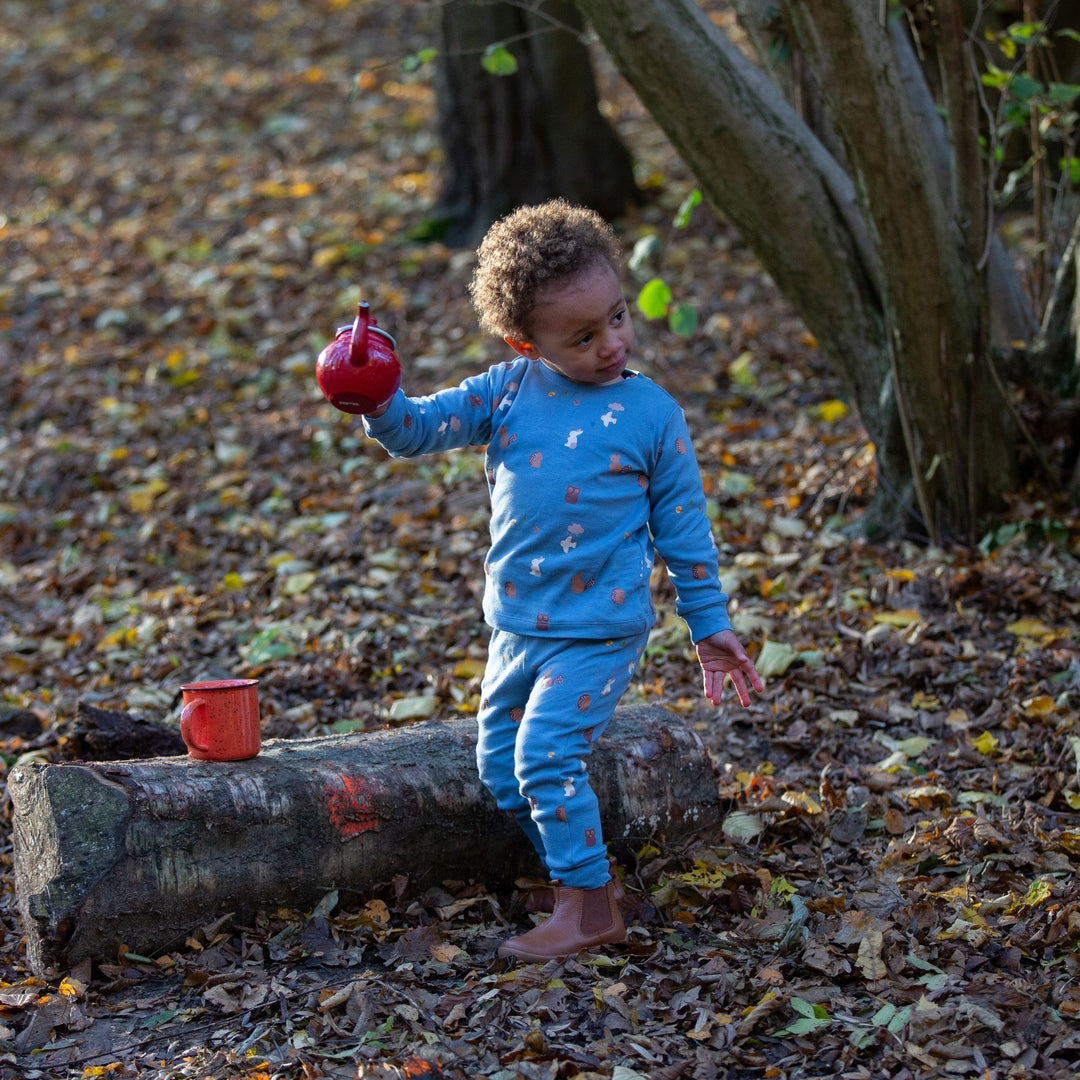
(585,481)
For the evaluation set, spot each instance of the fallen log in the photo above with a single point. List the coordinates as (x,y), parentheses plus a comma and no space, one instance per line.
(143,853)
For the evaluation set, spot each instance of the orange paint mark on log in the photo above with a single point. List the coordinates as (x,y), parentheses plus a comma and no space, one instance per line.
(349,807)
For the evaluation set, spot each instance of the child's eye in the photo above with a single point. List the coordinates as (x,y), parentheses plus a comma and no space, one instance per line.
(585,340)
(618,317)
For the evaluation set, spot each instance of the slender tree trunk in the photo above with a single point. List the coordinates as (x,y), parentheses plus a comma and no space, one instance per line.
(522,138)
(959,434)
(877,268)
(1059,345)
(773,179)
(1011,318)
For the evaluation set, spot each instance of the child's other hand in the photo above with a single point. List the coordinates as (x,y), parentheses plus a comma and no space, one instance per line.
(721,655)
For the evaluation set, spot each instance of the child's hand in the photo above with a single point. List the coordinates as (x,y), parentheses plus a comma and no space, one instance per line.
(721,655)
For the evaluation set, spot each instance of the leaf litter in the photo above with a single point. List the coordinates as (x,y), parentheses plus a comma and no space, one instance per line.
(195,195)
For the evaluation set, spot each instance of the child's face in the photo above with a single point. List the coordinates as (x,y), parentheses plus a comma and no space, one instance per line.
(582,328)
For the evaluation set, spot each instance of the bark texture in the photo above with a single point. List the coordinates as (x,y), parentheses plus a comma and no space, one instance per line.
(958,431)
(522,138)
(885,260)
(759,163)
(107,735)
(145,852)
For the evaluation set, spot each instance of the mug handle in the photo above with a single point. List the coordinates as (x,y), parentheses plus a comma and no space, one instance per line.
(187,727)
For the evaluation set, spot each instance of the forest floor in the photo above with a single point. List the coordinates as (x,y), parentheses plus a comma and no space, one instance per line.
(194,195)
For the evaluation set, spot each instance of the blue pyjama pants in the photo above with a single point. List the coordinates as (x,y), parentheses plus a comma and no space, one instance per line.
(543,703)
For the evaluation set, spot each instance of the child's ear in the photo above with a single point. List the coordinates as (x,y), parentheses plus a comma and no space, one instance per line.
(523,348)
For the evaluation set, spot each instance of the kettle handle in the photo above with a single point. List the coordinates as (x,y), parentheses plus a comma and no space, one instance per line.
(358,341)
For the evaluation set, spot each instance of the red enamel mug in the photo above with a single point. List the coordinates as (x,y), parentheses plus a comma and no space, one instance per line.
(220,720)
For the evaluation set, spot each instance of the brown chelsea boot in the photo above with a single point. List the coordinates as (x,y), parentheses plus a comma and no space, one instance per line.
(582,918)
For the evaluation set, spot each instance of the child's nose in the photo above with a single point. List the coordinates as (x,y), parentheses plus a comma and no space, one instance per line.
(610,342)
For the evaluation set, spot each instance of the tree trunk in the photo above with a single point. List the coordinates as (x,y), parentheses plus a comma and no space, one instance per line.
(521,138)
(1011,316)
(144,853)
(878,271)
(958,431)
(1059,344)
(772,178)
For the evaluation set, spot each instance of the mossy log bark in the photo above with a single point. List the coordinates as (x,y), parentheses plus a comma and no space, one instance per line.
(143,853)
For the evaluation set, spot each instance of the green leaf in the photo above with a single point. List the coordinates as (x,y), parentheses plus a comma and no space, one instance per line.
(922,965)
(899,1020)
(861,1038)
(884,1015)
(418,707)
(683,320)
(373,1039)
(934,979)
(162,1016)
(347,727)
(803,1026)
(418,59)
(805,1008)
(1025,32)
(782,889)
(654,299)
(269,644)
(498,60)
(811,1017)
(741,825)
(1063,93)
(298,584)
(736,483)
(1023,87)
(686,208)
(775,658)
(1038,893)
(741,372)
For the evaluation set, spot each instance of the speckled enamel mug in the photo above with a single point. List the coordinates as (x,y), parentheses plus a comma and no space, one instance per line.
(220,720)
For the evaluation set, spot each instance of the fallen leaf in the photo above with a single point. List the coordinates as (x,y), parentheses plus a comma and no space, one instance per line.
(986,743)
(832,411)
(869,960)
(802,801)
(900,619)
(414,708)
(1032,628)
(742,826)
(774,658)
(1038,707)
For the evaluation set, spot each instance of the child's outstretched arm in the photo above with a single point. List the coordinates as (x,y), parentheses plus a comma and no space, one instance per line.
(721,655)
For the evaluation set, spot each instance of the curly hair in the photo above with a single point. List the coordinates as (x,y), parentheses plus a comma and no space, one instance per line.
(528,250)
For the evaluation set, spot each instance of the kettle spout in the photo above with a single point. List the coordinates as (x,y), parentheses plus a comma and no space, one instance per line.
(358,341)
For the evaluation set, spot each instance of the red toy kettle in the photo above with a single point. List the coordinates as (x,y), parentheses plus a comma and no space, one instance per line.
(358,371)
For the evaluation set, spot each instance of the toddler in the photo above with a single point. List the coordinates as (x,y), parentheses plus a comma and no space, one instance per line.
(589,469)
